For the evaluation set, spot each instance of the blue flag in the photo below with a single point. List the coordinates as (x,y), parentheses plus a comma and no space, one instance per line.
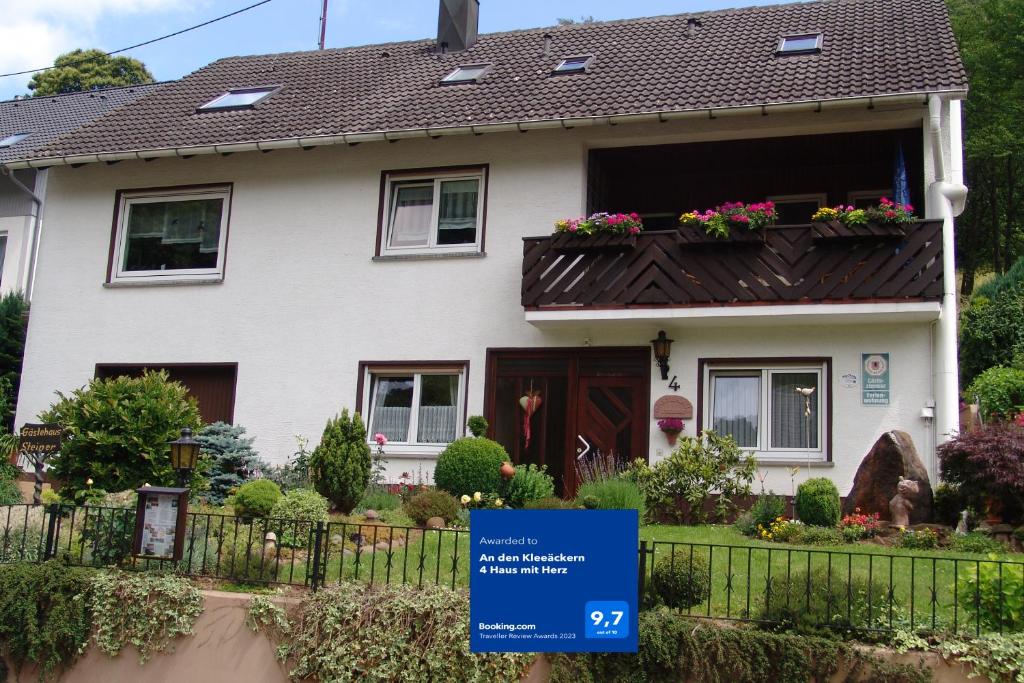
(900,188)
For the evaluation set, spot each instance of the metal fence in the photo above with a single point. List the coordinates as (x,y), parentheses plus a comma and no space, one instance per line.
(868,590)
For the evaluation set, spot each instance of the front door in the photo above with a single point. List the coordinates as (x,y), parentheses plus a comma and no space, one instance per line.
(545,406)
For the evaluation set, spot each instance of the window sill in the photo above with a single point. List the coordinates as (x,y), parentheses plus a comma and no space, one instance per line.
(164,282)
(409,451)
(794,463)
(429,257)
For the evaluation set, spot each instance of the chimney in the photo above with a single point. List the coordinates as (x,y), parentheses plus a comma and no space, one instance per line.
(457,24)
(691,26)
(547,44)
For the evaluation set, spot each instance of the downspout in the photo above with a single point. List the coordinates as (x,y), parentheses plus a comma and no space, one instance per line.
(37,222)
(947,197)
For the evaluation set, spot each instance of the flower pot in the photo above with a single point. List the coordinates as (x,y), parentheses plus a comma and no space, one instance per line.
(695,235)
(993,510)
(671,436)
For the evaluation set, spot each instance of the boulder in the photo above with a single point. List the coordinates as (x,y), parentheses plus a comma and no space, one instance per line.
(435,523)
(371,515)
(893,456)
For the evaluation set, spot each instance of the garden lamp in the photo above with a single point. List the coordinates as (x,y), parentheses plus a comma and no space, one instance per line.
(184,455)
(662,351)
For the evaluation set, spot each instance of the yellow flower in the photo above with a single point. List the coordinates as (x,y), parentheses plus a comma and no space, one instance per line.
(477,496)
(88,482)
(825,214)
(465,499)
(498,503)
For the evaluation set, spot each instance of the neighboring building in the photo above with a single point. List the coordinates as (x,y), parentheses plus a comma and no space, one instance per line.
(370,227)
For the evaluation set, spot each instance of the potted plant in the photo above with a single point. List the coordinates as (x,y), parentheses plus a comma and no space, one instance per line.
(729,222)
(610,231)
(672,426)
(887,218)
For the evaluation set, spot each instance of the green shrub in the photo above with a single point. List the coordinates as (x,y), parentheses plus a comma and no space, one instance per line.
(13,324)
(821,535)
(551,503)
(470,465)
(10,494)
(376,499)
(23,533)
(923,539)
(977,542)
(817,502)
(992,327)
(431,503)
(303,507)
(767,508)
(529,483)
(680,580)
(109,535)
(992,595)
(340,465)
(807,603)
(116,432)
(745,524)
(948,503)
(45,615)
(255,498)
(477,425)
(695,469)
(999,392)
(232,460)
(614,494)
(386,633)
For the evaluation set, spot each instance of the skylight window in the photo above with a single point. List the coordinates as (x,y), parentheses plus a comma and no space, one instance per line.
(240,98)
(468,73)
(13,139)
(803,44)
(574,65)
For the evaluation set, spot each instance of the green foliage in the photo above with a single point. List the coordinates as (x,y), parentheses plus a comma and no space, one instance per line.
(10,494)
(255,498)
(552,503)
(303,507)
(145,610)
(529,483)
(117,430)
(977,542)
(674,648)
(997,657)
(109,535)
(477,425)
(992,327)
(23,534)
(375,499)
(680,580)
(695,469)
(13,324)
(999,392)
(921,539)
(822,601)
(340,465)
(767,508)
(821,535)
(948,503)
(745,524)
(470,465)
(614,494)
(44,614)
(431,503)
(232,458)
(385,633)
(992,594)
(294,474)
(82,70)
(817,502)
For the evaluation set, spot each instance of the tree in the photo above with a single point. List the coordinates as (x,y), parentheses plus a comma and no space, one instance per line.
(81,70)
(232,458)
(584,19)
(13,321)
(340,465)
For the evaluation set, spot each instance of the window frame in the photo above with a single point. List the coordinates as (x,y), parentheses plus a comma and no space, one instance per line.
(820,197)
(388,196)
(124,199)
(449,79)
(782,52)
(211,106)
(364,398)
(581,69)
(765,453)
(14,138)
(853,196)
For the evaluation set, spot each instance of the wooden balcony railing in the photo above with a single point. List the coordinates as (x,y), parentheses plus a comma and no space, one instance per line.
(782,264)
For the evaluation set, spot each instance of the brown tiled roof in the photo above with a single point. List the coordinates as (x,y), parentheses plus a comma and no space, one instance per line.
(47,118)
(870,47)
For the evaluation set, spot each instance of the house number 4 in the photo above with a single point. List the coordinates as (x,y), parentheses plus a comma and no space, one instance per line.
(673,384)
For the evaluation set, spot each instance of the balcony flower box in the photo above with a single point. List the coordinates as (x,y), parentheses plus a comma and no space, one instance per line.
(834,229)
(696,236)
(566,241)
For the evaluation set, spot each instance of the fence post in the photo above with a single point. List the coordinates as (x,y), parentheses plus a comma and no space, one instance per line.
(642,582)
(51,531)
(317,540)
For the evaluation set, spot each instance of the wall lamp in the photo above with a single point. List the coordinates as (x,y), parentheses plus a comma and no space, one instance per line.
(662,351)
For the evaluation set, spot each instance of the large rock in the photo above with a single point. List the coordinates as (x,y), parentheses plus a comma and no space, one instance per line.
(893,456)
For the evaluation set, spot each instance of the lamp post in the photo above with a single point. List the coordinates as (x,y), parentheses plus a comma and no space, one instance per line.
(662,351)
(184,456)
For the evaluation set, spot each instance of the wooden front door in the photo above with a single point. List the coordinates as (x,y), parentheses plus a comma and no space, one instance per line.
(611,416)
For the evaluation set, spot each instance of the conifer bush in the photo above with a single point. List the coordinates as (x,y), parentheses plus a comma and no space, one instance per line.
(340,465)
(232,458)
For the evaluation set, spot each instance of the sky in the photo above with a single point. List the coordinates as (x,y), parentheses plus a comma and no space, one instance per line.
(34,32)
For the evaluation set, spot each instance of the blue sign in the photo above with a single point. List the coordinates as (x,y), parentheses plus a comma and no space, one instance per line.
(553,580)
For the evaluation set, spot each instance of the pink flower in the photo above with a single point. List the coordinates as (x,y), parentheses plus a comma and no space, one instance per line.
(634,230)
(380,439)
(890,214)
(573,227)
(885,201)
(1020,420)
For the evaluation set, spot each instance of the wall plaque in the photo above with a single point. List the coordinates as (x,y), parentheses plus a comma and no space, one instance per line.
(673,406)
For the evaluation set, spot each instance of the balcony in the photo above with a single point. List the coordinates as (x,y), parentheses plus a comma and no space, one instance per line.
(821,263)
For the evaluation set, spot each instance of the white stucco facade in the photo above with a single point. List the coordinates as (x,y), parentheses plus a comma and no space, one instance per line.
(302,300)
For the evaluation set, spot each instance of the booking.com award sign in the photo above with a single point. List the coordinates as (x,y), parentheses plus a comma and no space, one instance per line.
(553,580)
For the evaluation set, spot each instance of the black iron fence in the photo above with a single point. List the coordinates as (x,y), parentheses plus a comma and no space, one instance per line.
(868,590)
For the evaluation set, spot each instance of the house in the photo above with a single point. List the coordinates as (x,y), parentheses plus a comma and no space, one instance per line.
(28,124)
(371,227)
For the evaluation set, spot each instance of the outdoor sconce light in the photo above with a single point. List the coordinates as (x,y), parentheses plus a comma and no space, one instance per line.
(662,351)
(184,456)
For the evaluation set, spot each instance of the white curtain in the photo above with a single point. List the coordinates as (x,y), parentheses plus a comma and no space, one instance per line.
(736,409)
(410,220)
(458,205)
(439,397)
(392,408)
(791,426)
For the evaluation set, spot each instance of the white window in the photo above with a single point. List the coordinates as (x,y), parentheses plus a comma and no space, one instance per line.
(434,213)
(795,209)
(806,43)
(13,139)
(470,73)
(419,410)
(240,98)
(777,412)
(172,235)
(574,65)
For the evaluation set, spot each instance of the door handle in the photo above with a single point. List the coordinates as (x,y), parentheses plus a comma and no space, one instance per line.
(582,451)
